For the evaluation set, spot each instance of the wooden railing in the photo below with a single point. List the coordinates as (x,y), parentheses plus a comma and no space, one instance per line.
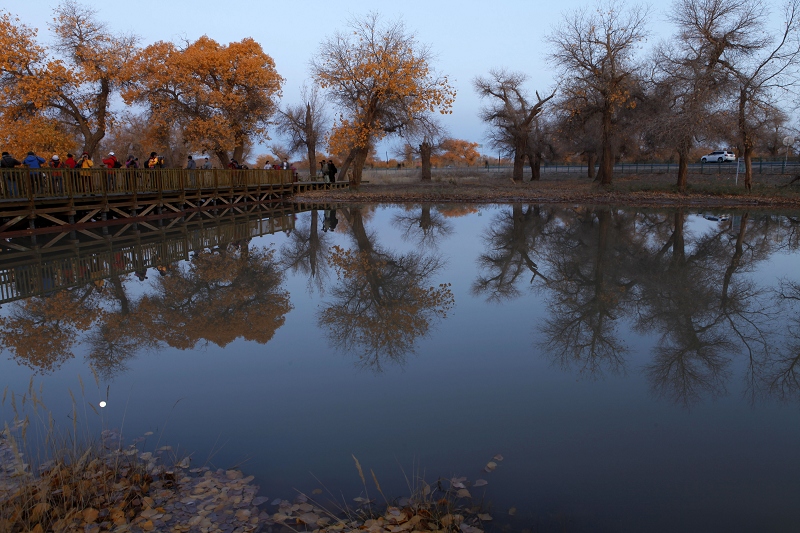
(31,184)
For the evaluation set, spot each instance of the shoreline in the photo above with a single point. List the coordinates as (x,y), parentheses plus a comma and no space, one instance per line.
(628,192)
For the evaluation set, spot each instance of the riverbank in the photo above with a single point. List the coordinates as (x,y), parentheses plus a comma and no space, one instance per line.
(641,191)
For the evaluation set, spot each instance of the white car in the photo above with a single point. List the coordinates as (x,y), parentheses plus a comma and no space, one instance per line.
(718,157)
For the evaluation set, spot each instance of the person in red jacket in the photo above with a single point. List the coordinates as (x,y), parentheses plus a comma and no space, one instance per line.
(70,162)
(111,163)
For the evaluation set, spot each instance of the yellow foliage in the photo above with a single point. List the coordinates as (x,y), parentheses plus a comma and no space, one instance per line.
(381,78)
(223,95)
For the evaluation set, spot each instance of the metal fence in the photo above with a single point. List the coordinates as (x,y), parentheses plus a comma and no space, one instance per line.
(759,165)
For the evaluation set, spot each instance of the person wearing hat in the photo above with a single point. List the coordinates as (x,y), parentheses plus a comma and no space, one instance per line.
(70,162)
(111,163)
(56,177)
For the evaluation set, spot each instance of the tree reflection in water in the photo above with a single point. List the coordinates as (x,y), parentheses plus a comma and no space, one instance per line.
(589,264)
(599,268)
(512,240)
(308,252)
(380,304)
(423,225)
(41,332)
(219,296)
(782,372)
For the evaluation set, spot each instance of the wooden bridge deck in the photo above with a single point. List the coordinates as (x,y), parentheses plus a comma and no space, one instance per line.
(51,200)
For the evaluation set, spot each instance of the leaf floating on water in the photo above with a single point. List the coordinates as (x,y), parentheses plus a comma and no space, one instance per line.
(463,493)
(185,462)
(485,517)
(148,433)
(480,483)
(498,457)
(457,484)
(316,491)
(276,501)
(490,466)
(165,449)
(512,511)
(260,500)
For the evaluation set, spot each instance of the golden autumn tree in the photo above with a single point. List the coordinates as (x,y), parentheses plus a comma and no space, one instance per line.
(45,97)
(381,79)
(456,152)
(222,95)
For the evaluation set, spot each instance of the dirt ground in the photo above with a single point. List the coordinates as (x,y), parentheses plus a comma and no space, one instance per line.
(645,190)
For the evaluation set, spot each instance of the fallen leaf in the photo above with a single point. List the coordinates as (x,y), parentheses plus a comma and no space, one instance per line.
(512,511)
(480,483)
(90,515)
(484,517)
(316,491)
(498,457)
(463,493)
(490,466)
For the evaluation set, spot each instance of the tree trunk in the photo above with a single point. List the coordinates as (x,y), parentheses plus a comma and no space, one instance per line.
(346,165)
(747,141)
(519,159)
(359,157)
(223,157)
(607,153)
(591,160)
(238,151)
(748,166)
(312,161)
(535,161)
(311,143)
(425,150)
(683,170)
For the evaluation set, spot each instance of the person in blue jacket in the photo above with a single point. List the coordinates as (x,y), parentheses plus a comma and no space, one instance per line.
(34,161)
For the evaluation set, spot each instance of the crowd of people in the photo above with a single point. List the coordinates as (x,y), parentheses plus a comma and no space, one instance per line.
(327,171)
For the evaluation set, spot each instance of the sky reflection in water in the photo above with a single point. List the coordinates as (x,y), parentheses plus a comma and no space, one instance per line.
(636,370)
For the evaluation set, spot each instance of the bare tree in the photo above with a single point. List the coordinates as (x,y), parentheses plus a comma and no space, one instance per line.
(510,114)
(732,36)
(425,138)
(304,124)
(594,51)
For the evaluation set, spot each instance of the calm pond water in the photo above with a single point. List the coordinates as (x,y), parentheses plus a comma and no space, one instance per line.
(637,370)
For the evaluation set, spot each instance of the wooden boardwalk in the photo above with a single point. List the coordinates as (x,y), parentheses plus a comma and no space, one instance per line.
(35,201)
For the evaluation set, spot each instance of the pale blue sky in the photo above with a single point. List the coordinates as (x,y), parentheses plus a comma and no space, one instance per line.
(468,37)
